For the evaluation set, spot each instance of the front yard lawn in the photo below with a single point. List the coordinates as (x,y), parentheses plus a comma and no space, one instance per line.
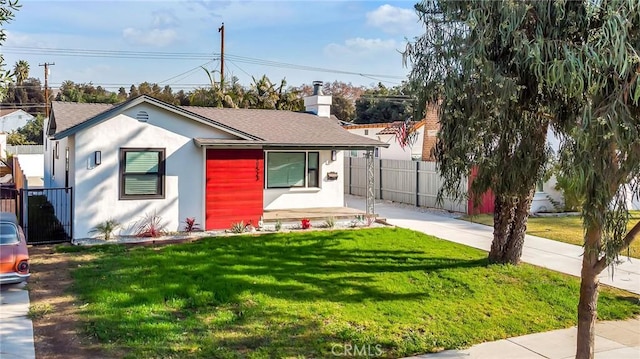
(307,294)
(566,229)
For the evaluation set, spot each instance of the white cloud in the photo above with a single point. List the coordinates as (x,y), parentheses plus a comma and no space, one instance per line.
(394,20)
(153,37)
(359,46)
(21,39)
(163,19)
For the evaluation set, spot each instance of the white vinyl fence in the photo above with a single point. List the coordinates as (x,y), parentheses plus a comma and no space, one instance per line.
(412,182)
(25,149)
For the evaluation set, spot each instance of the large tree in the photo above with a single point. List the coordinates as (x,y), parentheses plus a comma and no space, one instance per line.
(578,62)
(490,121)
(381,104)
(7,13)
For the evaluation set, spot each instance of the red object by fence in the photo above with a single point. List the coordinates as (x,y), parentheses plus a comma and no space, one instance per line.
(487,200)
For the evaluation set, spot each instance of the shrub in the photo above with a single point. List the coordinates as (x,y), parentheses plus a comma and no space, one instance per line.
(237,227)
(190,225)
(106,228)
(151,225)
(278,225)
(305,223)
(330,222)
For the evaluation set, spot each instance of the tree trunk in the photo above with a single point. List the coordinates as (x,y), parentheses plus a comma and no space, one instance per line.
(502,221)
(588,304)
(515,240)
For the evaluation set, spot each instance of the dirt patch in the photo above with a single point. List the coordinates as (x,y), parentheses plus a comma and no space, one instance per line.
(57,327)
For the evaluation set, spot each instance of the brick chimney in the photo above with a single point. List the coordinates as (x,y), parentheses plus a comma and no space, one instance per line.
(431,128)
(318,103)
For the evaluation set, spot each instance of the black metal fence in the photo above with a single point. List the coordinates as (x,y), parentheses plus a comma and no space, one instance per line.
(47,214)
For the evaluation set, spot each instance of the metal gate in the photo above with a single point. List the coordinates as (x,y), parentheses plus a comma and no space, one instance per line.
(47,214)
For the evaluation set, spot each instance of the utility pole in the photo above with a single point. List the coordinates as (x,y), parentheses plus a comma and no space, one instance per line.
(221,31)
(46,86)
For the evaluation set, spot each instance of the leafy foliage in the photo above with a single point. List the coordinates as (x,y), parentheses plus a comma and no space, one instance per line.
(524,66)
(106,228)
(382,104)
(190,225)
(491,121)
(238,227)
(29,134)
(7,14)
(151,225)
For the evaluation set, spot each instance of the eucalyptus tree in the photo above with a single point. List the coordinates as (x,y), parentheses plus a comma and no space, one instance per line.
(578,62)
(490,118)
(7,14)
(601,152)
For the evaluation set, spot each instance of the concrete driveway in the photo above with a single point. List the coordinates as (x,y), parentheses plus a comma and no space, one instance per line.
(16,329)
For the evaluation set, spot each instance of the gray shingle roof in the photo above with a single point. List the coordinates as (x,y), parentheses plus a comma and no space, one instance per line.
(269,127)
(65,115)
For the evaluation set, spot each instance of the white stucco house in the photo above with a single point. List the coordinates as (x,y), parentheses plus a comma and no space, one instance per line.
(12,119)
(386,132)
(220,166)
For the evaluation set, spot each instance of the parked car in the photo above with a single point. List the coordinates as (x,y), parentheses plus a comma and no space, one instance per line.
(14,256)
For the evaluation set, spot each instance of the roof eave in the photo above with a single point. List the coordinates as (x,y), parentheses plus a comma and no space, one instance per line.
(216,143)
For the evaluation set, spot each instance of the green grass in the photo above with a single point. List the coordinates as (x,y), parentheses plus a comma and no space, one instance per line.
(566,229)
(299,294)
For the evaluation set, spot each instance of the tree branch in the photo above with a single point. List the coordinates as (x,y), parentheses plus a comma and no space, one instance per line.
(626,241)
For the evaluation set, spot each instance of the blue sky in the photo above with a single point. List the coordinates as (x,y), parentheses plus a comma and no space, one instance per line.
(362,37)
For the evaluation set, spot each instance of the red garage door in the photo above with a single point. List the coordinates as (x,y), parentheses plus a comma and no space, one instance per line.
(234,187)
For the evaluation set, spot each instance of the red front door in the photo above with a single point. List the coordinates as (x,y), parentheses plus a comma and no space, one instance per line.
(234,187)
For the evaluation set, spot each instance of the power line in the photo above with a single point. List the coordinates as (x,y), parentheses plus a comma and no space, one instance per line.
(186,72)
(241,69)
(184,56)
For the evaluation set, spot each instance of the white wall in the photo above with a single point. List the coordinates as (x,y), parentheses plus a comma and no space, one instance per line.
(394,151)
(54,163)
(32,165)
(14,121)
(3,145)
(330,193)
(97,187)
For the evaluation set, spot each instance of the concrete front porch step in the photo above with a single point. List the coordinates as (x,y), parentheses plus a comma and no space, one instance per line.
(314,214)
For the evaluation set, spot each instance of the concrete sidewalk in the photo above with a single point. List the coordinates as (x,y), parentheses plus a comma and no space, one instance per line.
(542,252)
(16,329)
(614,339)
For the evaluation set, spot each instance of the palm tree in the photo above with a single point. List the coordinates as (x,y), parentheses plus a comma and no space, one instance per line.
(21,71)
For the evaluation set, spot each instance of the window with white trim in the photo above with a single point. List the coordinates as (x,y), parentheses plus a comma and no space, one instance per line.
(142,172)
(293,169)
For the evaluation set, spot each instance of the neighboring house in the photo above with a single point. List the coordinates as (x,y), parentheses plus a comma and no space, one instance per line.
(221,166)
(420,150)
(13,119)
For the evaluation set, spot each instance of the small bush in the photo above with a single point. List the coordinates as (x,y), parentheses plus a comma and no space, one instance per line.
(106,228)
(330,222)
(305,223)
(151,225)
(237,227)
(190,225)
(278,225)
